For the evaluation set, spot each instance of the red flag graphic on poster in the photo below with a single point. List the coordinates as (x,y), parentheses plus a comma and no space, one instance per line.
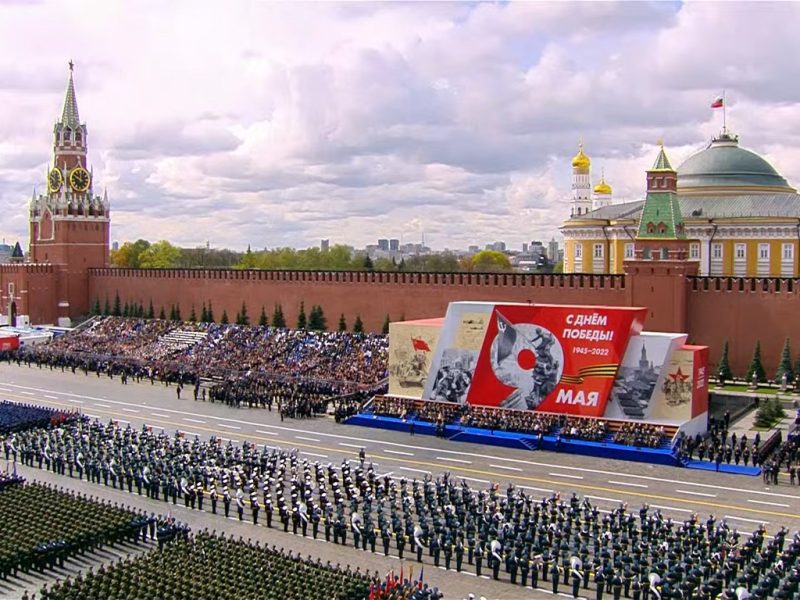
(699,379)
(420,344)
(552,358)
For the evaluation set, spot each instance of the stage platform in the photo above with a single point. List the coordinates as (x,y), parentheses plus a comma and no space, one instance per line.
(552,442)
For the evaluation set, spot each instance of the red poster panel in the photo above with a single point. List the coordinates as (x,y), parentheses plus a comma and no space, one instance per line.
(552,358)
(9,342)
(699,379)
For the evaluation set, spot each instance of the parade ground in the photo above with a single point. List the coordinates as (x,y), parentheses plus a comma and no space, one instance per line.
(745,502)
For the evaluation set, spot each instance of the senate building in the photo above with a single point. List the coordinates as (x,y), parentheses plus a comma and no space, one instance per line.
(741,218)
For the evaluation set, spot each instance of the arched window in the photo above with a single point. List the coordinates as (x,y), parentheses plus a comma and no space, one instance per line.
(662,228)
(651,228)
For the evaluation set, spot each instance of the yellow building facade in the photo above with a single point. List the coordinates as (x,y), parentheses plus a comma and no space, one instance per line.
(742,217)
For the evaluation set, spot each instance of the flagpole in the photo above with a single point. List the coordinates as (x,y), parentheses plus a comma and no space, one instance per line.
(724,115)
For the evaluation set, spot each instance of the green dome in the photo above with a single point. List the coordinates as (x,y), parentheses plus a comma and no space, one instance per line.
(724,164)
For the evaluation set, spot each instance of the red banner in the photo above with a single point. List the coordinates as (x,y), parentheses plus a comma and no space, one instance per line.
(552,358)
(699,379)
(8,342)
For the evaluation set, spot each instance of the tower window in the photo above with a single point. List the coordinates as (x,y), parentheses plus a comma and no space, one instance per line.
(651,228)
(67,135)
(662,228)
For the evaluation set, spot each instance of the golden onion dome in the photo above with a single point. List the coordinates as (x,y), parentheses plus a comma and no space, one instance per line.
(580,160)
(602,188)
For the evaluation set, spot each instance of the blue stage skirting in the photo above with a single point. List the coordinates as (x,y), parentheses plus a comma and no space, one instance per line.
(521,441)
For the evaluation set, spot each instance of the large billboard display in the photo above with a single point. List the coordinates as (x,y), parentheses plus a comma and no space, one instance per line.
(553,358)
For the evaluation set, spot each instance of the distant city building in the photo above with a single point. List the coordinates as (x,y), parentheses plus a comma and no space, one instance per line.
(497,246)
(115,246)
(5,252)
(474,249)
(394,245)
(524,248)
(325,245)
(552,250)
(383,245)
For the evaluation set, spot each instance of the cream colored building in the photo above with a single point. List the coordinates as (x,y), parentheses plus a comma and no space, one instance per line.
(742,217)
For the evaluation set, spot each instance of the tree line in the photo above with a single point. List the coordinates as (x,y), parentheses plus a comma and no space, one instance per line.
(141,254)
(314,320)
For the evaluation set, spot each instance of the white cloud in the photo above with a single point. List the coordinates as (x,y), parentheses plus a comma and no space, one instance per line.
(282,123)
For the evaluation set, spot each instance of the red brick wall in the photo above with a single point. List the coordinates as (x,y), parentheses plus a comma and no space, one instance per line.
(36,291)
(370,295)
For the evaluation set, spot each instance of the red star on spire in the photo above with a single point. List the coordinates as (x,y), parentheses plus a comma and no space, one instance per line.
(678,376)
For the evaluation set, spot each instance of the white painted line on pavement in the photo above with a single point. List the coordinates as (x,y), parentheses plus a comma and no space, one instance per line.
(351,445)
(504,467)
(122,421)
(160,415)
(746,520)
(189,432)
(473,479)
(229,426)
(639,485)
(130,410)
(314,454)
(229,440)
(29,393)
(51,397)
(398,452)
(308,439)
(266,432)
(416,470)
(193,420)
(769,503)
(534,489)
(102,405)
(153,426)
(565,475)
(9,391)
(604,499)
(691,493)
(683,510)
(457,460)
(76,401)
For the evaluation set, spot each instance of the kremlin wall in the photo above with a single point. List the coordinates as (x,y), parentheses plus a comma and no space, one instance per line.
(678,269)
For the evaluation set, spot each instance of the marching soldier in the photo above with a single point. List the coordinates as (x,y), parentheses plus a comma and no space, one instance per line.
(226,500)
(213,496)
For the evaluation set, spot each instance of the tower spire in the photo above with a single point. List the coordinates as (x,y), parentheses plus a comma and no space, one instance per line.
(69,116)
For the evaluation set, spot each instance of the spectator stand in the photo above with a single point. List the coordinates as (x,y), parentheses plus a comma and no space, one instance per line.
(509,428)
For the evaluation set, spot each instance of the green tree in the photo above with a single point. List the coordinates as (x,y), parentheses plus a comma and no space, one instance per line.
(243,318)
(126,310)
(210,312)
(129,254)
(385,328)
(224,319)
(171,312)
(161,255)
(368,264)
(278,320)
(724,372)
(193,316)
(162,315)
(317,320)
(140,311)
(117,306)
(756,368)
(558,267)
(204,314)
(106,307)
(262,319)
(489,261)
(178,313)
(150,311)
(96,307)
(342,323)
(301,317)
(358,325)
(785,366)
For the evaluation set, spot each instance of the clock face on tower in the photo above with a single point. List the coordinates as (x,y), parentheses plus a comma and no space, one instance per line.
(54,180)
(79,179)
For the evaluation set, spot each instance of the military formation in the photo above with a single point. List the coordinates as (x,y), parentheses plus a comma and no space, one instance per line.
(16,417)
(567,546)
(43,526)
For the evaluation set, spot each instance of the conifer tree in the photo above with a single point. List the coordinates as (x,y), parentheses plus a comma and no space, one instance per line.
(262,319)
(385,328)
(171,312)
(162,315)
(224,319)
(151,313)
(210,312)
(358,325)
(342,323)
(756,368)
(243,319)
(278,320)
(140,311)
(724,373)
(117,306)
(96,308)
(106,307)
(301,318)
(193,315)
(316,319)
(204,314)
(785,365)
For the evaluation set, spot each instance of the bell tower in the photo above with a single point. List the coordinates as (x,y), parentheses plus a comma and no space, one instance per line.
(69,224)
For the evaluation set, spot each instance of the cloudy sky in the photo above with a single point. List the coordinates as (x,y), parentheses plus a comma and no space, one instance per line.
(281,124)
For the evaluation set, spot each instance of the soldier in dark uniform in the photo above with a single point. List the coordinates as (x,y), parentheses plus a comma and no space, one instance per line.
(226,500)
(478,557)
(459,550)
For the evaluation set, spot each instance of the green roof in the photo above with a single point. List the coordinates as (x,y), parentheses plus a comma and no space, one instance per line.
(662,162)
(661,217)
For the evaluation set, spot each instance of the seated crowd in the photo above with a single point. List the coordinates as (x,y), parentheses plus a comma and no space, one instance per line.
(580,428)
(254,366)
(640,434)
